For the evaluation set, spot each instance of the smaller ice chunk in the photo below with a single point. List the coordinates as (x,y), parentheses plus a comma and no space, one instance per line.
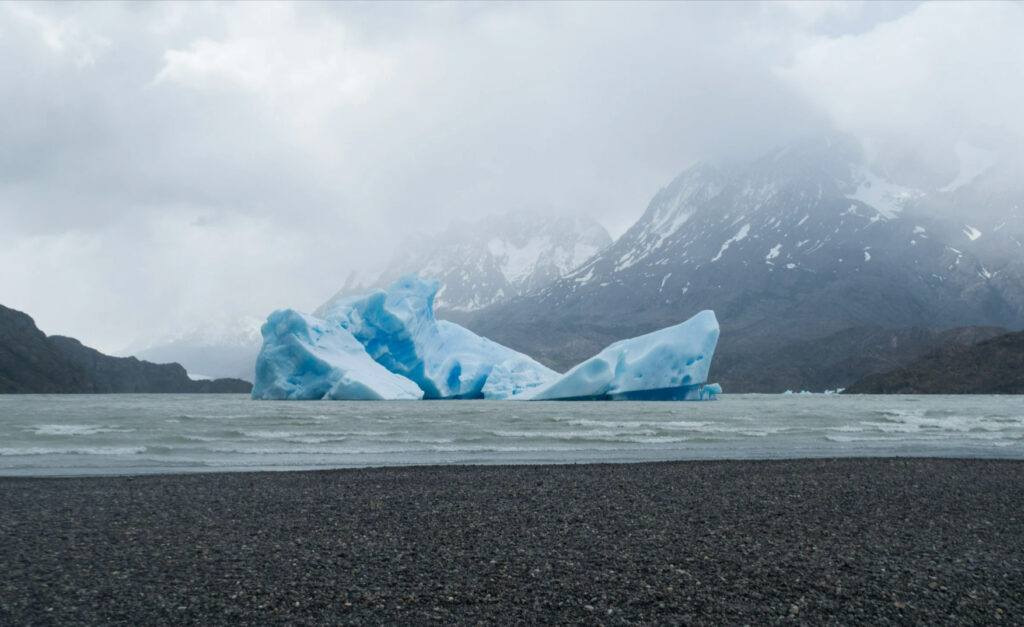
(710,391)
(307,358)
(668,364)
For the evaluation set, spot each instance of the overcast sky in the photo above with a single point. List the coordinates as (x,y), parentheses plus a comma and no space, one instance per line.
(166,164)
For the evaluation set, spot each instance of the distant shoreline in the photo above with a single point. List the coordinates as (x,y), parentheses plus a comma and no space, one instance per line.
(845,540)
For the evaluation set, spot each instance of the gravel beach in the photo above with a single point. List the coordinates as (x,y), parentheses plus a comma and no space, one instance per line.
(922,541)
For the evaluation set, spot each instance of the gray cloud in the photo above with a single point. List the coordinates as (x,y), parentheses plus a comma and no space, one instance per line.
(165,163)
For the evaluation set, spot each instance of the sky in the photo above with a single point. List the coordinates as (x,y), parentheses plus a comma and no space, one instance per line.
(168,166)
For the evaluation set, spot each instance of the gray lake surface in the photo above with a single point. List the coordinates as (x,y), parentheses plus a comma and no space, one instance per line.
(147,433)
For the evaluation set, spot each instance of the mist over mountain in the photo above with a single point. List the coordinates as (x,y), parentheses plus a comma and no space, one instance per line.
(825,260)
(225,347)
(479,263)
(492,260)
(802,243)
(165,166)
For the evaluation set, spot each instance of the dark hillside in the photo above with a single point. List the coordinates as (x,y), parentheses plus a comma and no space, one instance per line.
(995,366)
(31,363)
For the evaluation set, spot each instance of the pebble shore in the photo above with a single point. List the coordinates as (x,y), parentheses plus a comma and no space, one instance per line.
(848,541)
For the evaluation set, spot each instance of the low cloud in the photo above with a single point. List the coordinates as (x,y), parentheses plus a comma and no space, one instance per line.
(167,163)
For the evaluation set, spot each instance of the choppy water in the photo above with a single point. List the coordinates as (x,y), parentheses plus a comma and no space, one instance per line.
(104,434)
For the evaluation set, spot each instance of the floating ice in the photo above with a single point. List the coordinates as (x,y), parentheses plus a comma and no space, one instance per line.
(398,330)
(306,358)
(387,344)
(669,364)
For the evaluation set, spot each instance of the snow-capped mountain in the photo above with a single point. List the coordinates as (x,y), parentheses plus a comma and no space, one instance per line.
(799,244)
(492,260)
(226,347)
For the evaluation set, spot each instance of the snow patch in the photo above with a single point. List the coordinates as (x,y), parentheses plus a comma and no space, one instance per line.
(971,232)
(884,196)
(740,235)
(586,277)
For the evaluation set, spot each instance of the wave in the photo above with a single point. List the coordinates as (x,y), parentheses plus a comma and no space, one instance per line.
(57,429)
(112,451)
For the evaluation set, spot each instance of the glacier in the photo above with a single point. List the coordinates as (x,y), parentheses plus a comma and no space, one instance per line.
(387,345)
(668,364)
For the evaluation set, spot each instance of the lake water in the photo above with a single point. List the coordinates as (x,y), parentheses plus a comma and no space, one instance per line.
(127,434)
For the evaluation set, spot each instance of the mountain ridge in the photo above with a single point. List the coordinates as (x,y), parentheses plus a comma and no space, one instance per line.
(801,243)
(32,363)
(491,260)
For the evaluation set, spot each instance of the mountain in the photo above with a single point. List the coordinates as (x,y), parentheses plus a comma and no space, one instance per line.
(132,375)
(226,347)
(995,366)
(803,243)
(491,260)
(31,362)
(840,359)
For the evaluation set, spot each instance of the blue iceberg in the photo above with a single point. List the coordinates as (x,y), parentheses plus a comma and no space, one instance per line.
(386,344)
(398,330)
(306,358)
(670,364)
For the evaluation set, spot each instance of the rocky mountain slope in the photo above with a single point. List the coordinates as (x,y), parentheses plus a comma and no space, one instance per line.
(491,261)
(840,359)
(801,244)
(995,366)
(31,362)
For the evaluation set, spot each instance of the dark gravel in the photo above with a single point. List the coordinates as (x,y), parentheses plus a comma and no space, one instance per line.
(918,541)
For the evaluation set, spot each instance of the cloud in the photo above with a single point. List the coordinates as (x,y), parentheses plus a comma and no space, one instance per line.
(303,68)
(166,163)
(943,71)
(65,37)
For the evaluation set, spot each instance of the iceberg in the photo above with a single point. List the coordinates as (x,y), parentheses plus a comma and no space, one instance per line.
(397,329)
(306,358)
(668,364)
(387,345)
